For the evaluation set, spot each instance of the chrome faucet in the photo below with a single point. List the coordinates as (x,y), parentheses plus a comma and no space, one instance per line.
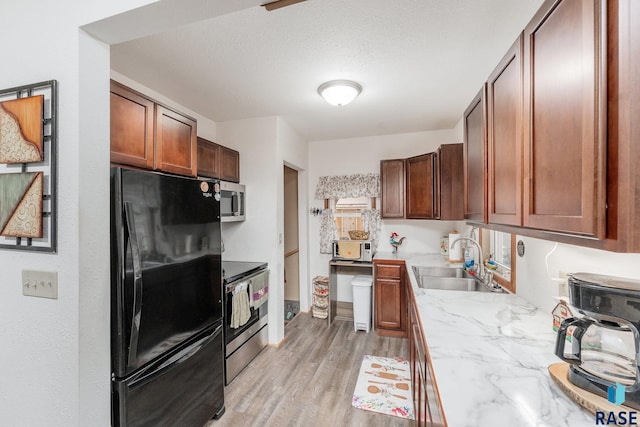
(484,275)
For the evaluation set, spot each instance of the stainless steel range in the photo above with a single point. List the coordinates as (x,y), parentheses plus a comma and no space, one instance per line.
(245,313)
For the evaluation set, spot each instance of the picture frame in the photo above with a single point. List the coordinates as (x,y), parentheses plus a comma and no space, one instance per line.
(28,167)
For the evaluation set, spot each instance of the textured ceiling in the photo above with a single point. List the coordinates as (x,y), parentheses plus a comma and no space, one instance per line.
(419,61)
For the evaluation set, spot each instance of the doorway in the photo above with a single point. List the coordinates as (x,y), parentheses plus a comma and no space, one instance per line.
(291,246)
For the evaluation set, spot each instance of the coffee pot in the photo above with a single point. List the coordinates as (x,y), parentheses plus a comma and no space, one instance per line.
(604,343)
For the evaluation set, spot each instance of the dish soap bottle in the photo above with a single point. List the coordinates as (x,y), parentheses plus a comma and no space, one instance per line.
(468,261)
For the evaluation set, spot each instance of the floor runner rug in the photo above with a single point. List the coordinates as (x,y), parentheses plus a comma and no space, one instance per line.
(384,385)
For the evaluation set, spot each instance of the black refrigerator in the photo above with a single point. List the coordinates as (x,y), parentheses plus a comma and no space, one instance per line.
(167,358)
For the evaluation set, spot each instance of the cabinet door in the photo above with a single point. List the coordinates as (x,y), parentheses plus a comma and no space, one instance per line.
(450,182)
(437,184)
(388,303)
(229,164)
(420,186)
(432,398)
(176,144)
(565,119)
(475,137)
(623,174)
(208,158)
(131,127)
(390,299)
(392,178)
(504,140)
(417,369)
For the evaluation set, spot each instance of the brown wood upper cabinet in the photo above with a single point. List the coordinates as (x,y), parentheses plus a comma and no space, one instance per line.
(475,160)
(149,135)
(420,187)
(565,118)
(428,186)
(175,142)
(217,161)
(132,126)
(546,128)
(623,149)
(504,139)
(449,182)
(579,141)
(392,178)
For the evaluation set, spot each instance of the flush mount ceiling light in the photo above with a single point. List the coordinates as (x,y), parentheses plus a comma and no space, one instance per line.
(339,92)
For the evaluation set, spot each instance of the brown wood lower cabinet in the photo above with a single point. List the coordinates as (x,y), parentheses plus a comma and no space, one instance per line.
(390,299)
(426,401)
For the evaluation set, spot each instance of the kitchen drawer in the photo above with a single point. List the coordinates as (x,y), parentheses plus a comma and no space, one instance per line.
(389,271)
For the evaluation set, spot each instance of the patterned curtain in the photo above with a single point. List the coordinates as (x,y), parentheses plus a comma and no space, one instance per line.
(341,186)
(328,231)
(372,223)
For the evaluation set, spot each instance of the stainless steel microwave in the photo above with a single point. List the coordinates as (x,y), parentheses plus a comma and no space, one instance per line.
(232,202)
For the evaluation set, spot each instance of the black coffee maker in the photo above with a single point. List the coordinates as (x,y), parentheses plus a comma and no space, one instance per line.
(604,343)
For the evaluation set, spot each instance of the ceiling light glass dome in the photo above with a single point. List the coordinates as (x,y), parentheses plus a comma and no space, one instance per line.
(339,92)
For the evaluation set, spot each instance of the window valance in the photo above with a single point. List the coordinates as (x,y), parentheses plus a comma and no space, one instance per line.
(341,186)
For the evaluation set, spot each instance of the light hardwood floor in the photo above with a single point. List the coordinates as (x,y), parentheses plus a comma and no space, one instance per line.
(309,380)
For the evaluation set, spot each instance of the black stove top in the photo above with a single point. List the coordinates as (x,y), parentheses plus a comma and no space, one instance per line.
(236,270)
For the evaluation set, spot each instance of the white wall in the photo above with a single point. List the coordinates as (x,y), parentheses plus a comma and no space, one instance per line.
(266,145)
(54,363)
(363,155)
(535,284)
(256,238)
(293,152)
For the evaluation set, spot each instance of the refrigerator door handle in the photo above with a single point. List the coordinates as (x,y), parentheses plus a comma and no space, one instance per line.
(137,284)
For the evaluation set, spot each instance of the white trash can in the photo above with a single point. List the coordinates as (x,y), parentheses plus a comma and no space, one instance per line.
(362,302)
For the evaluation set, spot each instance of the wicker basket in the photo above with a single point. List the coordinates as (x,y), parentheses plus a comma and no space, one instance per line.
(358,235)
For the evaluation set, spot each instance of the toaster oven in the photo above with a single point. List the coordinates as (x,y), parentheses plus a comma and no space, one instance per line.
(353,250)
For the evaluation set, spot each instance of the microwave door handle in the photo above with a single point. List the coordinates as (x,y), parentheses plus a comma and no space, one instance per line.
(137,283)
(234,203)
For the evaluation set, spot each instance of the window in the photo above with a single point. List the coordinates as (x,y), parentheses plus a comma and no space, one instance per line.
(502,247)
(348,214)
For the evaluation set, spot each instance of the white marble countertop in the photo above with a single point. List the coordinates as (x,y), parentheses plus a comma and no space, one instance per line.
(490,354)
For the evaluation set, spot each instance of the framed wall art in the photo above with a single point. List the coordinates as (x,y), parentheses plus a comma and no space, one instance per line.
(28,151)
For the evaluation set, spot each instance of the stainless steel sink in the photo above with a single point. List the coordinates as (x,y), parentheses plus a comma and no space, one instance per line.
(449,278)
(440,272)
(452,284)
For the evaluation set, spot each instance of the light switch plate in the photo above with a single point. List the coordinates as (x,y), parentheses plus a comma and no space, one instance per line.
(43,284)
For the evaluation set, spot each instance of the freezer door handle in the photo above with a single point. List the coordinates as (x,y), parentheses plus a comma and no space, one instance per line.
(137,284)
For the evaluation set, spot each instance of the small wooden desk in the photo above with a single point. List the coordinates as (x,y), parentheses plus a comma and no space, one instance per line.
(344,267)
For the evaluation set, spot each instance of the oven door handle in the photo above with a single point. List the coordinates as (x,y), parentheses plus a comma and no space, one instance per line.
(230,288)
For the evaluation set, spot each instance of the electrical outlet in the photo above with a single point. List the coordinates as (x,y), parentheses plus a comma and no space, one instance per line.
(564,276)
(43,284)
(563,284)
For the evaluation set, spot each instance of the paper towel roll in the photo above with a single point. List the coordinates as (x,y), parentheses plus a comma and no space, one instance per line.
(455,251)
